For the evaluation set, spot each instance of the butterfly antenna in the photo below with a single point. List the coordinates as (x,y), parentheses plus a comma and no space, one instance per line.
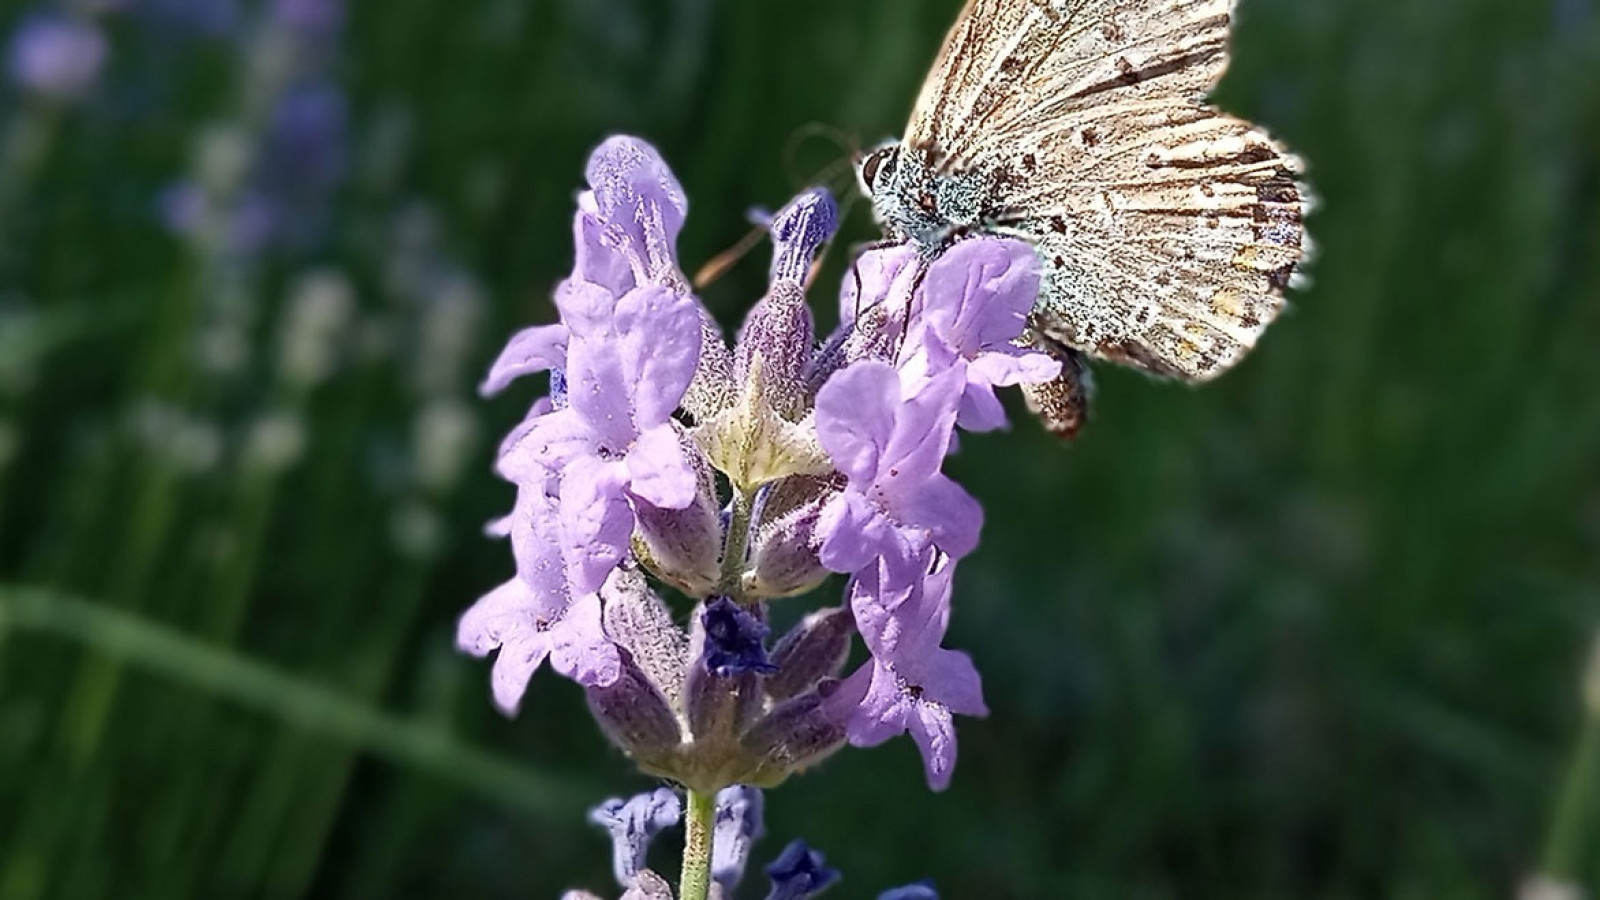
(718,265)
(847,144)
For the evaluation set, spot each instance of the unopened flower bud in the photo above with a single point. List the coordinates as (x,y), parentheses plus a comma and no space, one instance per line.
(813,650)
(783,558)
(683,547)
(797,734)
(798,231)
(640,622)
(635,716)
(774,349)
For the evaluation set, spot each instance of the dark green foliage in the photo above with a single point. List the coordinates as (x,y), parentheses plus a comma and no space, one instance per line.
(1313,631)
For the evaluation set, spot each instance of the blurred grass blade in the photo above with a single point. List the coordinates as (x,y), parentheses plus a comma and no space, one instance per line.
(297,702)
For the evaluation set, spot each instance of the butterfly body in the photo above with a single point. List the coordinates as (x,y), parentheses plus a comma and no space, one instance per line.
(1168,231)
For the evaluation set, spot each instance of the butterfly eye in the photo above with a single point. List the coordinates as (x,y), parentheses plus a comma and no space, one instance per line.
(882,161)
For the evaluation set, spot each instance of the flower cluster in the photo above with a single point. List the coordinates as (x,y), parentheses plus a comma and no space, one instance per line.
(664,458)
(798,872)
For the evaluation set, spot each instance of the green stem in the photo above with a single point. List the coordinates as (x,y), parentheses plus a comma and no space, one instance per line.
(696,881)
(1564,853)
(737,544)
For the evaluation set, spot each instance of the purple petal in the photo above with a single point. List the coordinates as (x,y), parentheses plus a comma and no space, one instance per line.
(934,731)
(881,276)
(659,337)
(979,293)
(596,521)
(923,425)
(853,533)
(660,472)
(946,511)
(498,614)
(579,648)
(636,193)
(1012,366)
(596,262)
(856,413)
(980,409)
(519,658)
(530,350)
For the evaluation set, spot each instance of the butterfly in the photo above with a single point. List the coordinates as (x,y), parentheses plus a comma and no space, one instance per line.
(1168,231)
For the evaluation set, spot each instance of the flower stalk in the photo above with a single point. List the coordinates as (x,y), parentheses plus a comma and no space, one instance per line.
(1563,856)
(695,882)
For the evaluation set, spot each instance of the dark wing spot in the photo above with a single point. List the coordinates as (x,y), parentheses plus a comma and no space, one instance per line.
(1279,277)
(928,202)
(1277,192)
(1058,224)
(1030,163)
(1090,136)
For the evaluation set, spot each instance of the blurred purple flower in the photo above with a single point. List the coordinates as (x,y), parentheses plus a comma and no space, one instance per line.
(633,825)
(800,872)
(198,18)
(55,56)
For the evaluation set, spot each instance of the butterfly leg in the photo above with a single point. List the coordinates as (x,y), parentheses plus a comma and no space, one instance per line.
(1062,404)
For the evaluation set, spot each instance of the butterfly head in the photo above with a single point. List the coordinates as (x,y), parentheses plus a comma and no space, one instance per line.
(876,169)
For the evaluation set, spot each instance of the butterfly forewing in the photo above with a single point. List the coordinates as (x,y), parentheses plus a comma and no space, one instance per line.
(1168,229)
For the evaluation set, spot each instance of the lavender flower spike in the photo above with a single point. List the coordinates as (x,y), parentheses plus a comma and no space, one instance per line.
(633,824)
(735,640)
(922,890)
(56,57)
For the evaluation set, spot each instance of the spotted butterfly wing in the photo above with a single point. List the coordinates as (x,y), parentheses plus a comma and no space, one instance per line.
(1168,229)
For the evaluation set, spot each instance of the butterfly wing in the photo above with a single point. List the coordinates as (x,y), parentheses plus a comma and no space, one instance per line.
(1169,230)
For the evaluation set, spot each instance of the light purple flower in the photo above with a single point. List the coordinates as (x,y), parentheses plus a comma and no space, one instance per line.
(973,306)
(628,222)
(56,57)
(537,614)
(628,366)
(889,446)
(911,684)
(633,825)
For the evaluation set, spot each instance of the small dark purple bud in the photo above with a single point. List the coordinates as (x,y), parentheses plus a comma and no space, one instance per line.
(813,650)
(775,345)
(799,872)
(633,824)
(635,716)
(735,640)
(683,547)
(875,335)
(722,693)
(922,890)
(738,826)
(795,735)
(798,231)
(783,558)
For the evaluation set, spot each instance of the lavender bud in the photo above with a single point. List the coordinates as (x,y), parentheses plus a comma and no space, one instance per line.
(783,558)
(774,349)
(795,735)
(735,640)
(813,650)
(922,890)
(799,872)
(683,547)
(798,231)
(639,622)
(720,705)
(738,826)
(633,824)
(635,716)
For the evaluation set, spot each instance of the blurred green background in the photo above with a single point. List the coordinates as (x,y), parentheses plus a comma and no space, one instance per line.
(1317,630)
